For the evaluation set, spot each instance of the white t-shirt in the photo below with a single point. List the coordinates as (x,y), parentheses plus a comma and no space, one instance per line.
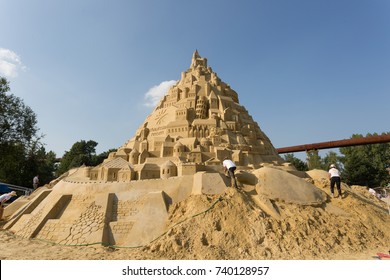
(228,163)
(5,197)
(371,191)
(334,172)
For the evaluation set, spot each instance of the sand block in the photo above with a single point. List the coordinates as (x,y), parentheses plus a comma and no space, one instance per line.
(29,225)
(66,219)
(209,183)
(148,222)
(300,174)
(23,205)
(280,185)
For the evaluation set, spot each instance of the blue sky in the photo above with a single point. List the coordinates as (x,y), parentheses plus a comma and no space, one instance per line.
(307,71)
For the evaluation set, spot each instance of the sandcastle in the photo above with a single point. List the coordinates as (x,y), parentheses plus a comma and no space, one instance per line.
(177,152)
(195,125)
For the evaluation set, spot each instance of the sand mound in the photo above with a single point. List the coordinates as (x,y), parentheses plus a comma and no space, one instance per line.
(317,174)
(235,228)
(280,185)
(234,225)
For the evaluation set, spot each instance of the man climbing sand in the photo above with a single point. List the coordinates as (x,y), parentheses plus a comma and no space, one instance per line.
(230,167)
(335,179)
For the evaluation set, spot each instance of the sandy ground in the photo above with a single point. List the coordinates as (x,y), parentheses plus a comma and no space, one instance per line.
(14,248)
(233,227)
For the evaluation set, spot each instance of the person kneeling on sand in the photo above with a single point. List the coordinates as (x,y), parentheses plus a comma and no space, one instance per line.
(230,167)
(3,199)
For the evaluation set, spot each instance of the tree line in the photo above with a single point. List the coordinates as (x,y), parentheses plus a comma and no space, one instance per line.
(23,155)
(364,165)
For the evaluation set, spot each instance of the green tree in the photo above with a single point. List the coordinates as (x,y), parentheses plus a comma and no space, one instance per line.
(12,163)
(39,162)
(22,153)
(296,162)
(332,158)
(18,123)
(82,152)
(366,165)
(314,160)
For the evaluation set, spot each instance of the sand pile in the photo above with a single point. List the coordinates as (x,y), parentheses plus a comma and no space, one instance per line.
(237,229)
(234,225)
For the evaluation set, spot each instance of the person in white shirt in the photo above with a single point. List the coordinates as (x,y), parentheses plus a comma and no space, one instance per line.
(230,167)
(335,179)
(4,198)
(35,182)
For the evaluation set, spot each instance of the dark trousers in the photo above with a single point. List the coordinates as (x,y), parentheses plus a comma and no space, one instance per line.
(337,181)
(232,176)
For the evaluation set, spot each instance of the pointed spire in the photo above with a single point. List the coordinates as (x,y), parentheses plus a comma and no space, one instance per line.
(195,56)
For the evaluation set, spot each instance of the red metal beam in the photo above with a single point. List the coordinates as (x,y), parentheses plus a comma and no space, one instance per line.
(336,144)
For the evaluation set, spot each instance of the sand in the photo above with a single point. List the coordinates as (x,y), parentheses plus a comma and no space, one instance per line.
(232,226)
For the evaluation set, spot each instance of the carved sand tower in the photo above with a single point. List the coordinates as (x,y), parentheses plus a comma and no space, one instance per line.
(199,121)
(176,152)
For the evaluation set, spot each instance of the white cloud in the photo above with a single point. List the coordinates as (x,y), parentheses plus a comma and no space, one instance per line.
(155,93)
(10,63)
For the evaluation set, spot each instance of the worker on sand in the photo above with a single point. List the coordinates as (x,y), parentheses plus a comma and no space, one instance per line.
(3,199)
(230,167)
(335,179)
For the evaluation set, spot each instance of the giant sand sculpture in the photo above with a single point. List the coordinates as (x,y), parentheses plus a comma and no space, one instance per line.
(176,153)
